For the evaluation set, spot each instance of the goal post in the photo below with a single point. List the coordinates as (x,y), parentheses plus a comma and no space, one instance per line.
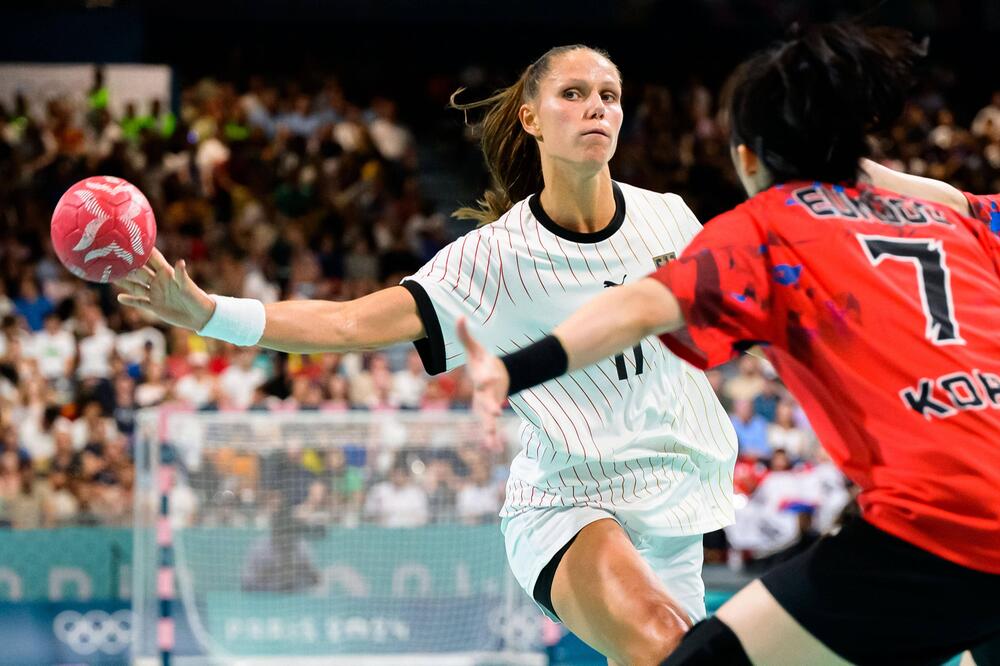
(345,537)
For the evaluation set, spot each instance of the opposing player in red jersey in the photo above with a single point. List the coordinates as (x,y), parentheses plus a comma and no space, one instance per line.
(879,311)
(983,207)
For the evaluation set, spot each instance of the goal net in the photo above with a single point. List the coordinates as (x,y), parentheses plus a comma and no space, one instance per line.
(353,537)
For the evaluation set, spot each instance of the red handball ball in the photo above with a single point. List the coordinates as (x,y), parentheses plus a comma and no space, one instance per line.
(103,228)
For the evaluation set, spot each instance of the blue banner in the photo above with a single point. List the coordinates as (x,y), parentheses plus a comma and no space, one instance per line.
(65,597)
(244,625)
(65,564)
(65,633)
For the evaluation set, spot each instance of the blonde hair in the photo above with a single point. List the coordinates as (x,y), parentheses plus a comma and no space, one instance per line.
(511,154)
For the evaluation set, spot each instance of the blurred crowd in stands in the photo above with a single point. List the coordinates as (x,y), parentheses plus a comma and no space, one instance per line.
(289,189)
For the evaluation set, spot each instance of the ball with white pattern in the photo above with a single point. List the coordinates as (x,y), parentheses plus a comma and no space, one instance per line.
(103,228)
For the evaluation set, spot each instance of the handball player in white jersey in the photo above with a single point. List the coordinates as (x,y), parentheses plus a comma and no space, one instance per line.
(623,465)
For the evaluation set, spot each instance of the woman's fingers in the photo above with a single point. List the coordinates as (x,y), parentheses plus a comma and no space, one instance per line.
(181,276)
(158,263)
(143,275)
(133,288)
(141,302)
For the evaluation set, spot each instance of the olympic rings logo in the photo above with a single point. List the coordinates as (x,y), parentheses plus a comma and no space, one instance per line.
(94,630)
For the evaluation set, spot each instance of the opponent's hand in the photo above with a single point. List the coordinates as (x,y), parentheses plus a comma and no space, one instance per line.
(167,292)
(490,382)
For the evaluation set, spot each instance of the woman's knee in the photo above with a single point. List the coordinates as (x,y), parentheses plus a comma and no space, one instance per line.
(657,632)
(606,593)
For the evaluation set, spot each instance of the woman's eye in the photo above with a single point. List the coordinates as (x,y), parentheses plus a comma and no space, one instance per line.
(571,94)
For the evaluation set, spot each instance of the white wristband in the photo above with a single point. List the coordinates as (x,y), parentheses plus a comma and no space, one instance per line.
(238,321)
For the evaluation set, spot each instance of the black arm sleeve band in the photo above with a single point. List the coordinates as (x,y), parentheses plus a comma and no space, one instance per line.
(536,363)
(431,348)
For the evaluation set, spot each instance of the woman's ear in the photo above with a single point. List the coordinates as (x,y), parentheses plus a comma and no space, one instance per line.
(748,160)
(529,121)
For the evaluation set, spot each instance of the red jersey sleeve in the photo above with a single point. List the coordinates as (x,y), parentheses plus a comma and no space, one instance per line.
(985,208)
(722,283)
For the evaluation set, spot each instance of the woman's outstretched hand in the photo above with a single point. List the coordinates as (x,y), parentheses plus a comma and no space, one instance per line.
(167,292)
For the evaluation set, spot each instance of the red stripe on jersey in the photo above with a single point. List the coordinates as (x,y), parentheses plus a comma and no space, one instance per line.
(654,216)
(621,476)
(559,383)
(552,417)
(586,421)
(634,216)
(563,410)
(524,396)
(610,381)
(568,262)
(652,473)
(552,265)
(684,234)
(583,486)
(634,255)
(548,492)
(517,264)
(597,248)
(585,262)
(447,261)
(673,479)
(604,395)
(566,485)
(635,480)
(645,482)
(705,437)
(501,280)
(596,410)
(611,479)
(615,250)
(524,235)
(475,262)
(427,271)
(597,484)
(489,260)
(461,258)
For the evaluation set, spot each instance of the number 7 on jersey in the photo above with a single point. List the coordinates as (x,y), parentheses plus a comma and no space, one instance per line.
(933,280)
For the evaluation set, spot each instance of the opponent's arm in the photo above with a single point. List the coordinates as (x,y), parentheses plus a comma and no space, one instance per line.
(386,317)
(617,319)
(916,186)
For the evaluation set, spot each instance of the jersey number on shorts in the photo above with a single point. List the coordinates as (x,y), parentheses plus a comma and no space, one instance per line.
(933,280)
(637,350)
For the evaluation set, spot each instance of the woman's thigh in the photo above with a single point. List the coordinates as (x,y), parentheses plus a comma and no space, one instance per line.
(609,596)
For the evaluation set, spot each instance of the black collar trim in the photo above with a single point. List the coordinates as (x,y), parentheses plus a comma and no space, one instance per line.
(577,236)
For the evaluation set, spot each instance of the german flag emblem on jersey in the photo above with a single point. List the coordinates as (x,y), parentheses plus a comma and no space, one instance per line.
(659,260)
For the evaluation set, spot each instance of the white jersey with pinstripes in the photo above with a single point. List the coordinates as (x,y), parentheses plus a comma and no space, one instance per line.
(641,434)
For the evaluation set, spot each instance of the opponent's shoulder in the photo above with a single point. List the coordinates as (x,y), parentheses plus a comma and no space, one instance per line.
(774,205)
(738,220)
(985,208)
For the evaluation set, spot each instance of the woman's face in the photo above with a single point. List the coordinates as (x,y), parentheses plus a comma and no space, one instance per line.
(576,114)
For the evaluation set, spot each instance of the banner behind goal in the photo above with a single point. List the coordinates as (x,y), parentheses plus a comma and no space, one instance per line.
(349,537)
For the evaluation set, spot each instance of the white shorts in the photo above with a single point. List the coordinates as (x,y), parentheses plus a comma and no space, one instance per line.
(534,537)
